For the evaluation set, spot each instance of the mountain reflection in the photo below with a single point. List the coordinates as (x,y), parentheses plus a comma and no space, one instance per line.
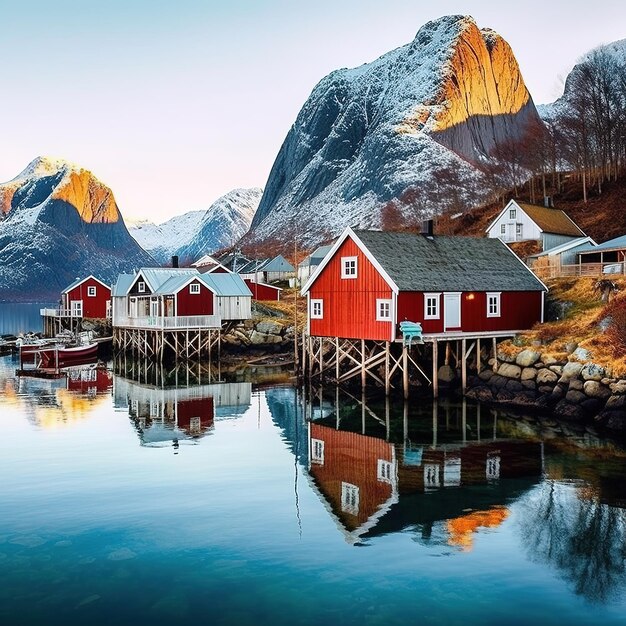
(70,396)
(168,408)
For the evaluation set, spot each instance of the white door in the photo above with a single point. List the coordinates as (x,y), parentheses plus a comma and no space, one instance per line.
(154,308)
(77,308)
(451,310)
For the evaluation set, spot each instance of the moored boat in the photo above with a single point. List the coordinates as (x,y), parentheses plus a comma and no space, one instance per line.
(61,356)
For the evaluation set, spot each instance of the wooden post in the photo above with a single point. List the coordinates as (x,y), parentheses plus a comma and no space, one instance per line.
(464,419)
(387,377)
(405,372)
(435,422)
(463,365)
(478,364)
(436,368)
(337,360)
(304,355)
(495,353)
(363,371)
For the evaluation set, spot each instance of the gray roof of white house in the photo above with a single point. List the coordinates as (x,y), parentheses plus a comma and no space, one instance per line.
(446,263)
(157,276)
(316,257)
(225,284)
(278,264)
(122,284)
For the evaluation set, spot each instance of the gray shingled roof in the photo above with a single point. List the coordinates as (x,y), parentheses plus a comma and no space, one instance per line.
(443,263)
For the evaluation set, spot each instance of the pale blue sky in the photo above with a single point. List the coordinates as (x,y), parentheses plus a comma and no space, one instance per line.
(174,103)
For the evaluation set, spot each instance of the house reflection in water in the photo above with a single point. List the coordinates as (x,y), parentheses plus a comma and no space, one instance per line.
(166,415)
(372,486)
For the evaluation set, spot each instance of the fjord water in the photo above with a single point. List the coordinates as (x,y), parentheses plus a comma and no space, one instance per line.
(21,317)
(125,501)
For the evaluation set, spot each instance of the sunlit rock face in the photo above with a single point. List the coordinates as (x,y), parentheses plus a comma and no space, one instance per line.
(385,133)
(59,222)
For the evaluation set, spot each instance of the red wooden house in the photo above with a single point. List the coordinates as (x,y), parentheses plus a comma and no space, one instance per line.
(371,281)
(88,298)
(262,291)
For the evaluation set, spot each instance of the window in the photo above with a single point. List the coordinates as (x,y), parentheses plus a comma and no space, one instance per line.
(431,306)
(317,451)
(503,229)
(518,230)
(512,214)
(317,309)
(141,287)
(91,291)
(431,476)
(348,267)
(493,305)
(349,498)
(385,471)
(195,425)
(383,310)
(492,470)
(194,288)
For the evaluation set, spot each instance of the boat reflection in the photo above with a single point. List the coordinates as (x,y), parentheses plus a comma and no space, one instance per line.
(441,484)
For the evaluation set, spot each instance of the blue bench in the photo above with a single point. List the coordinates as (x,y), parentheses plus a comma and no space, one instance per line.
(410,331)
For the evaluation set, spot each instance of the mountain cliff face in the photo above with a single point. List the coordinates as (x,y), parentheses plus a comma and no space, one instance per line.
(59,222)
(407,131)
(196,233)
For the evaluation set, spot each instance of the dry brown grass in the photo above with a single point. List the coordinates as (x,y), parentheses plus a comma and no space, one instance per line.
(583,324)
(291,303)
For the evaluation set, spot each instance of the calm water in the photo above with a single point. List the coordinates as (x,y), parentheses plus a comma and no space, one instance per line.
(21,317)
(125,501)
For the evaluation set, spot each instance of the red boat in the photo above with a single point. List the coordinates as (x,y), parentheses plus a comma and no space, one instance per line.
(61,356)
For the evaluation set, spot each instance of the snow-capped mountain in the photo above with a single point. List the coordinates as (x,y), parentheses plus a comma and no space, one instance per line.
(163,240)
(402,135)
(59,222)
(224,223)
(200,232)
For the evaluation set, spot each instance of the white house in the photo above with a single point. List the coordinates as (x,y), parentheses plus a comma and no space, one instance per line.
(519,221)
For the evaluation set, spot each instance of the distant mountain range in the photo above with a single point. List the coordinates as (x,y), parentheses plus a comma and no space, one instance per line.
(59,222)
(401,137)
(196,233)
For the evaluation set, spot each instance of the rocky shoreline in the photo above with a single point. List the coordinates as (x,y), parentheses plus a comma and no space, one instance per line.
(568,388)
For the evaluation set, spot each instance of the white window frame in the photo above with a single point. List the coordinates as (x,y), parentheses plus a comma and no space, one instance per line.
(141,286)
(91,291)
(512,214)
(503,229)
(347,271)
(317,315)
(496,295)
(194,289)
(350,498)
(383,310)
(317,451)
(518,229)
(437,298)
(385,472)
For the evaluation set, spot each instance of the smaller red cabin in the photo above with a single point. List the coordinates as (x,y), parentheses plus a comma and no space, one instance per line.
(262,291)
(87,297)
(370,281)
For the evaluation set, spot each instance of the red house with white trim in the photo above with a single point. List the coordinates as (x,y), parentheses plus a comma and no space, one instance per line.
(262,291)
(370,281)
(88,298)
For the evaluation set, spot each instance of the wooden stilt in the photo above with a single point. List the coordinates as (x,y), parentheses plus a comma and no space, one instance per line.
(405,372)
(387,375)
(436,368)
(463,365)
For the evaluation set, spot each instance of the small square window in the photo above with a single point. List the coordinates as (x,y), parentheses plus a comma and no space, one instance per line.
(513,214)
(493,305)
(349,267)
(383,310)
(141,287)
(385,472)
(431,306)
(194,288)
(317,309)
(91,292)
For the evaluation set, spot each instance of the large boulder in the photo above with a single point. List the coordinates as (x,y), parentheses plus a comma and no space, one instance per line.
(593,371)
(510,371)
(526,358)
(594,389)
(546,376)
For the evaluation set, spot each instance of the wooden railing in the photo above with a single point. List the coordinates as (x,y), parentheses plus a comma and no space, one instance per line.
(58,313)
(556,270)
(166,323)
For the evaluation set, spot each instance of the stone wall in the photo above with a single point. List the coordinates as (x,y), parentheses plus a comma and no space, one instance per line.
(566,388)
(271,336)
